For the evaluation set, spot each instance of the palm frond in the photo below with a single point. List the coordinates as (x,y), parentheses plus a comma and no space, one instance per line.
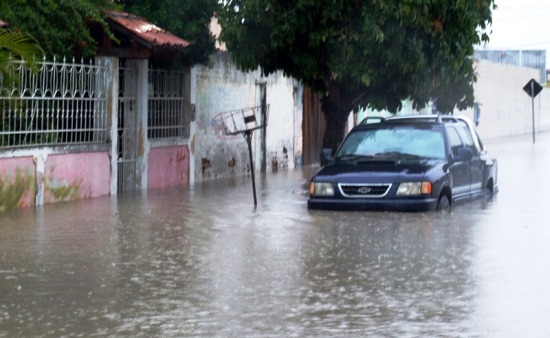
(19,45)
(15,46)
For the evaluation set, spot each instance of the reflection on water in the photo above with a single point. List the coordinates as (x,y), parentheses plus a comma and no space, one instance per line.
(204,262)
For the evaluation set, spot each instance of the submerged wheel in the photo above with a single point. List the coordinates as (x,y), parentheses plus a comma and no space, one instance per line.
(489,191)
(444,204)
(488,194)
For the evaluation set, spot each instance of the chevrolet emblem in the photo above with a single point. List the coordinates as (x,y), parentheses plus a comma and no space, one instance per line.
(364,190)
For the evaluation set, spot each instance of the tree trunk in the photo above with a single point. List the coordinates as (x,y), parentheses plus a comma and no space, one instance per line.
(336,111)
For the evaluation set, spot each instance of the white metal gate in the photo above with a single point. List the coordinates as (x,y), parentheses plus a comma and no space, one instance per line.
(127,130)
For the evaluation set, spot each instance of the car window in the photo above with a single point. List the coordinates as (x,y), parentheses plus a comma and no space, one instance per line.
(479,142)
(454,140)
(403,139)
(466,137)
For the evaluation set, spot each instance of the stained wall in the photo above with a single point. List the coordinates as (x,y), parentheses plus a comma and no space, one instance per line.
(220,88)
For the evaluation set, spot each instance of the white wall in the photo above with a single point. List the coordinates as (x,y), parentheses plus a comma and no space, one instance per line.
(221,88)
(505,107)
(506,110)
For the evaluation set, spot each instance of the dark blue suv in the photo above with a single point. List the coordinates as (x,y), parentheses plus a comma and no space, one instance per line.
(406,163)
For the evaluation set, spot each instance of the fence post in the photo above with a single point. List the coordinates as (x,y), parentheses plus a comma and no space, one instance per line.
(191,100)
(142,120)
(112,86)
(261,100)
(39,163)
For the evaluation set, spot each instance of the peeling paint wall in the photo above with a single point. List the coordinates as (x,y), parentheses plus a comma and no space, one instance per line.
(35,177)
(221,88)
(17,183)
(38,176)
(168,167)
(70,177)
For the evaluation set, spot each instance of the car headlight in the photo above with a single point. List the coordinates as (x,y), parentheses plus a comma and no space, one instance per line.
(321,189)
(414,188)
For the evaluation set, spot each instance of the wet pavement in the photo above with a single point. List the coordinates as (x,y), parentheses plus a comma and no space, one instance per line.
(204,262)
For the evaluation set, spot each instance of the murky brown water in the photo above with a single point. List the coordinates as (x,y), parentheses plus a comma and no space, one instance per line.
(204,262)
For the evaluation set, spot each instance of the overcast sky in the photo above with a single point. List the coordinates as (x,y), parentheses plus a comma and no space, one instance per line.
(521,24)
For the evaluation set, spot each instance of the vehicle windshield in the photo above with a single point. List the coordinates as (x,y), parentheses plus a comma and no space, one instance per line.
(398,140)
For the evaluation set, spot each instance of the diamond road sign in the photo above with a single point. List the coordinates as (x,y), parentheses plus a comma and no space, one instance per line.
(532,88)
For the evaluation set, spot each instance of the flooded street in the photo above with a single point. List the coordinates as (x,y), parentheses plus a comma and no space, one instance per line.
(204,262)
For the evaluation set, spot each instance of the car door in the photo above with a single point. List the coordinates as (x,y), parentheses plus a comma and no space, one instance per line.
(476,164)
(460,170)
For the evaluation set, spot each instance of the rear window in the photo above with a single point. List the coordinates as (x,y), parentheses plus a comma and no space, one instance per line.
(403,139)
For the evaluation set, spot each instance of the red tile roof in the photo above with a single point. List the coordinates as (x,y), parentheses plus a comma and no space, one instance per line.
(151,35)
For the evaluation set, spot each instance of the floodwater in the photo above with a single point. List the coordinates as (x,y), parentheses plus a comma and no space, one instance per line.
(205,262)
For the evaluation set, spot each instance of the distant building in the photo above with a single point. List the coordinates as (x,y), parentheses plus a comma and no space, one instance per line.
(521,58)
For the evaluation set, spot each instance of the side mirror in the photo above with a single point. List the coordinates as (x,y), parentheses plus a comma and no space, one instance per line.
(464,154)
(326,156)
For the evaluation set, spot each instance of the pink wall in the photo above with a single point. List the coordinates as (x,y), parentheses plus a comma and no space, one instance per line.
(76,176)
(168,167)
(84,175)
(20,193)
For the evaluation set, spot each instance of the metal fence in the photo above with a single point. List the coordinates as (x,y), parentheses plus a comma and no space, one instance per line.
(522,58)
(166,105)
(62,103)
(127,129)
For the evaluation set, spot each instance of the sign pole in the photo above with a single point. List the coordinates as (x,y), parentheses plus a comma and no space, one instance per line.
(532,88)
(533,107)
(231,124)
(248,136)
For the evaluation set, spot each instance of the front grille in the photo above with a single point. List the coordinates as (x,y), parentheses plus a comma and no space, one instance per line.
(364,190)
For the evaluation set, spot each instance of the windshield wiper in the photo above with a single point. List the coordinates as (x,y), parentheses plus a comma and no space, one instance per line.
(400,155)
(354,157)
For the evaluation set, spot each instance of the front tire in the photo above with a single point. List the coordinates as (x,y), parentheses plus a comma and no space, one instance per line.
(444,204)
(489,191)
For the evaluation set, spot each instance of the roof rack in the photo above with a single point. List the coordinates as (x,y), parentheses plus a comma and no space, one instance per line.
(447,118)
(433,118)
(370,119)
(426,118)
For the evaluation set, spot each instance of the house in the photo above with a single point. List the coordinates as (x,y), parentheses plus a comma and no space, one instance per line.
(82,130)
(220,88)
(114,125)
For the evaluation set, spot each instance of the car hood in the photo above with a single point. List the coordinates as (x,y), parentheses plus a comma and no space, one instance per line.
(380,169)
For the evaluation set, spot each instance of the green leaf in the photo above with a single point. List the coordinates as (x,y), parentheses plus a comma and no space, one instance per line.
(380,51)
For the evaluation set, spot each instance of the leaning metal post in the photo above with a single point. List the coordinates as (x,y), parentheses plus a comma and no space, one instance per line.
(243,121)
(248,137)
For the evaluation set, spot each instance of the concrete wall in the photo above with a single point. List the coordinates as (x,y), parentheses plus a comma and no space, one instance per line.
(39,176)
(221,88)
(17,182)
(76,176)
(505,108)
(168,167)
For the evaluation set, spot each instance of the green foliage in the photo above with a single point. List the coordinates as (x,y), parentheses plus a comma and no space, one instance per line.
(60,26)
(371,53)
(63,192)
(13,192)
(16,45)
(188,19)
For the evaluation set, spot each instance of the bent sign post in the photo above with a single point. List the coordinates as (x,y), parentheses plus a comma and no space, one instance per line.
(244,121)
(532,88)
